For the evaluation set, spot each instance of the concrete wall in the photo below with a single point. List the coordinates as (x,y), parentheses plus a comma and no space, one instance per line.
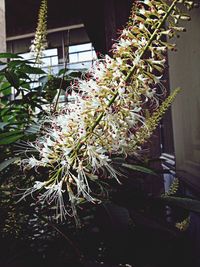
(2,27)
(184,72)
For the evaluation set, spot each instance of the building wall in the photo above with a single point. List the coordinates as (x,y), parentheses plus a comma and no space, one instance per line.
(77,35)
(184,72)
(2,27)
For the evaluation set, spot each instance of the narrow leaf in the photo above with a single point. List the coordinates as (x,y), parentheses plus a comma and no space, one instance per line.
(12,78)
(62,71)
(32,70)
(2,125)
(10,137)
(138,168)
(185,203)
(7,162)
(9,55)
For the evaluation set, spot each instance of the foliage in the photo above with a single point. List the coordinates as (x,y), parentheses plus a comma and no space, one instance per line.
(17,113)
(72,156)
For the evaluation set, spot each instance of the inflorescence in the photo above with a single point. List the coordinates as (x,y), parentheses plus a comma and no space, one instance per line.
(116,109)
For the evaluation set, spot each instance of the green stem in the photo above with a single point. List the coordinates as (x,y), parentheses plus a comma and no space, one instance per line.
(60,87)
(57,99)
(129,75)
(65,68)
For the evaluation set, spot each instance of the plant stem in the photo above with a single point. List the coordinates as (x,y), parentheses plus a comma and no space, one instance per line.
(60,88)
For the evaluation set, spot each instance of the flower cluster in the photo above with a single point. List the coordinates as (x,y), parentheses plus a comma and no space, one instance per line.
(116,109)
(39,43)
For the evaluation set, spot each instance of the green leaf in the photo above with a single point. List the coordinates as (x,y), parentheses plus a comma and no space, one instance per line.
(25,86)
(1,77)
(138,168)
(7,162)
(3,124)
(12,78)
(185,203)
(33,129)
(32,70)
(75,74)
(7,92)
(9,55)
(18,63)
(10,137)
(24,76)
(5,86)
(62,71)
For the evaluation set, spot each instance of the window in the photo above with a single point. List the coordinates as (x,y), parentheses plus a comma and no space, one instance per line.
(80,57)
(81,53)
(50,57)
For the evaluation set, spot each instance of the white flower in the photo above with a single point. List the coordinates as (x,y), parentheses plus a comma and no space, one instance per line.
(55,135)
(147,2)
(31,162)
(54,193)
(121,90)
(141,26)
(37,186)
(124,43)
(143,41)
(49,142)
(63,162)
(45,160)
(136,59)
(106,115)
(66,151)
(119,61)
(95,103)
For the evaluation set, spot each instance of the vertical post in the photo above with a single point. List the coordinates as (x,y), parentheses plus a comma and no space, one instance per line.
(2,27)
(110,23)
(63,48)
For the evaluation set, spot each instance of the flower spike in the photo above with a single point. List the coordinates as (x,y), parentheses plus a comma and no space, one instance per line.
(116,109)
(40,41)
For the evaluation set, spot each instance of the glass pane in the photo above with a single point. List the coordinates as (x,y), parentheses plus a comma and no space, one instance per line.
(78,48)
(54,60)
(80,65)
(50,52)
(28,55)
(85,56)
(94,55)
(50,61)
(46,53)
(73,58)
(46,61)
